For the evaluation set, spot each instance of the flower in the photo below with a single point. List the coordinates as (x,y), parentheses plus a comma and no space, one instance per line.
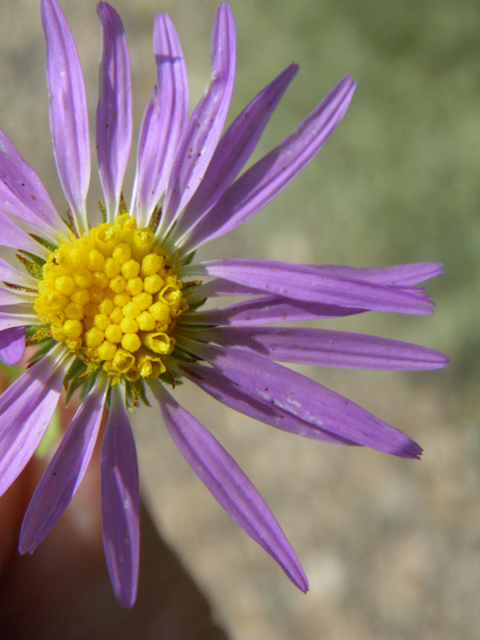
(117,307)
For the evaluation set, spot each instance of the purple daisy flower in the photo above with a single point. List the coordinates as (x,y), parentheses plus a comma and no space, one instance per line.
(118,307)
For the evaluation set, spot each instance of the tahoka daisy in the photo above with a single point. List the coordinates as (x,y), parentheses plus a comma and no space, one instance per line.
(116,309)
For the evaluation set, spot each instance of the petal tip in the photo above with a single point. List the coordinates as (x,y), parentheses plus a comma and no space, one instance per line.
(126,598)
(411,450)
(303,584)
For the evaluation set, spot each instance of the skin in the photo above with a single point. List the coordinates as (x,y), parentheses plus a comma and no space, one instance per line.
(63,589)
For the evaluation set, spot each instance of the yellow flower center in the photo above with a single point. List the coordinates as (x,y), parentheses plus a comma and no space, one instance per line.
(113,296)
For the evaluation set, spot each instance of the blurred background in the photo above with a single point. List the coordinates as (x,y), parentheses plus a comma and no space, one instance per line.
(391,547)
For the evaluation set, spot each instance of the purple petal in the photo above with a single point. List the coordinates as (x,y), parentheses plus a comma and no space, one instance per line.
(234,149)
(219,287)
(15,276)
(163,122)
(305,399)
(23,196)
(228,484)
(206,122)
(265,179)
(400,276)
(266,310)
(10,317)
(114,111)
(230,394)
(65,471)
(326,348)
(307,283)
(15,237)
(120,501)
(26,408)
(68,111)
(12,345)
(16,297)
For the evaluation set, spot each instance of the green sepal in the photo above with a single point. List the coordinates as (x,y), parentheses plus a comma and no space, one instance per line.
(155,219)
(135,393)
(122,207)
(83,377)
(189,258)
(172,380)
(131,393)
(45,243)
(35,334)
(103,210)
(34,258)
(77,368)
(44,348)
(190,285)
(70,222)
(17,287)
(70,391)
(33,268)
(87,385)
(143,396)
(196,304)
(108,399)
(178,354)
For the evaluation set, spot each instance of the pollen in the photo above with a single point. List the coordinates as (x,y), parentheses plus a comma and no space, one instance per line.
(112,297)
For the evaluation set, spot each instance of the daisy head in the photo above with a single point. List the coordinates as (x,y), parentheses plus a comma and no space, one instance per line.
(114,301)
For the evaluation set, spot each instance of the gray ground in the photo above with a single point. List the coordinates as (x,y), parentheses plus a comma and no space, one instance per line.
(391,547)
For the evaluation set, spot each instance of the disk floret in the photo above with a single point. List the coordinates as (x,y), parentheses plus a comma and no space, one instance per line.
(113,297)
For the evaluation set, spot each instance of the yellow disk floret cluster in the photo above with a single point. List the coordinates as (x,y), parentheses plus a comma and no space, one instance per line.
(113,296)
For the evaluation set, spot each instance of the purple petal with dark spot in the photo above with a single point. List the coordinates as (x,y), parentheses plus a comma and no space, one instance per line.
(23,196)
(305,399)
(232,395)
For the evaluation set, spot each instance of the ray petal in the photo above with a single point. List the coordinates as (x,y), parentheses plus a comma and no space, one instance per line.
(114,111)
(26,408)
(120,501)
(228,484)
(68,111)
(65,471)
